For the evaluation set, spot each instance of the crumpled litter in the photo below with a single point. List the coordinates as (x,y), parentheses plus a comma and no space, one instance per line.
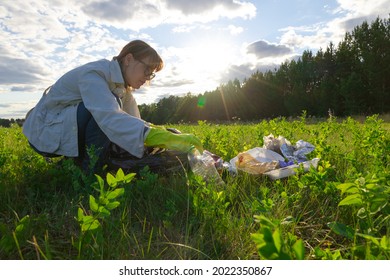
(256,161)
(276,159)
(293,154)
(249,164)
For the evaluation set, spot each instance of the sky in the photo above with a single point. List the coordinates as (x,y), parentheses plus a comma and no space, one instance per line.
(203,43)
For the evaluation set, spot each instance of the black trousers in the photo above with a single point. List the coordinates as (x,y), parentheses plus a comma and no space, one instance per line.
(92,142)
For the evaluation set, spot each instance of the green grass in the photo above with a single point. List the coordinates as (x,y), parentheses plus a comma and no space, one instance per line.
(339,211)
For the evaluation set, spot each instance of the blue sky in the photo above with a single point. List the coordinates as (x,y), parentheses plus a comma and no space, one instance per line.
(204,43)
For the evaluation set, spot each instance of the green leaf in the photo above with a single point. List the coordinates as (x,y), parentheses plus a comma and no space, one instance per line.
(103,212)
(348,188)
(115,193)
(342,229)
(80,215)
(258,239)
(277,240)
(100,182)
(112,205)
(120,175)
(268,237)
(129,177)
(92,204)
(92,224)
(351,200)
(377,204)
(385,243)
(25,219)
(265,248)
(111,180)
(103,200)
(22,224)
(374,187)
(299,249)
(369,237)
(88,219)
(264,220)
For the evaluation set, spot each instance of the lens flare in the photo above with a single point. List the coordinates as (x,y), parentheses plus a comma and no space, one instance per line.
(201,101)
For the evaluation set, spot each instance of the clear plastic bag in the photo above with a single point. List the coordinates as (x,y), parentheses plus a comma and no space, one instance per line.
(205,165)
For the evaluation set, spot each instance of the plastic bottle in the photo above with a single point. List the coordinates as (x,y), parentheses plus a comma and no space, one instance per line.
(203,165)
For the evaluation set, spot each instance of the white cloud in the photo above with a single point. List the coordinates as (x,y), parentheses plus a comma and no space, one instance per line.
(185,12)
(220,8)
(358,8)
(32,20)
(127,14)
(235,30)
(347,15)
(137,15)
(310,37)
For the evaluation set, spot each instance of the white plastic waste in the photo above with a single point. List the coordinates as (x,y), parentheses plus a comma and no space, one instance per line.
(261,155)
(291,169)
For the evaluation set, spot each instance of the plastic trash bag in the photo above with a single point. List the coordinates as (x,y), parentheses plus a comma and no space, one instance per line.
(298,152)
(256,161)
(292,154)
(276,159)
(274,144)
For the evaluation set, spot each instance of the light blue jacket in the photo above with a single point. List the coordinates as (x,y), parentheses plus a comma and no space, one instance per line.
(51,126)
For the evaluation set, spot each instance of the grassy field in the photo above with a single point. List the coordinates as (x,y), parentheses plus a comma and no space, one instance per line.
(51,210)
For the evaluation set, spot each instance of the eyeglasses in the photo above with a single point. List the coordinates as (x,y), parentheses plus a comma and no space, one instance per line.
(149,74)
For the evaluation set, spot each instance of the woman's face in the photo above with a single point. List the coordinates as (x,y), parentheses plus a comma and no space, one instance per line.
(136,72)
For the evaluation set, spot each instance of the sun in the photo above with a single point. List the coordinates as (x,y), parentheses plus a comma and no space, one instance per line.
(211,58)
(207,59)
(199,65)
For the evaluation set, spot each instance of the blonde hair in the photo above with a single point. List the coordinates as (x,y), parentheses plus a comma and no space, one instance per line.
(140,50)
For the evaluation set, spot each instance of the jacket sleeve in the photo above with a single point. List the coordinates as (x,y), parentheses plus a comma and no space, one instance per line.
(121,128)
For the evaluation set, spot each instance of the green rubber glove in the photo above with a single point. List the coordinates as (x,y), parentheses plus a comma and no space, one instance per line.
(179,142)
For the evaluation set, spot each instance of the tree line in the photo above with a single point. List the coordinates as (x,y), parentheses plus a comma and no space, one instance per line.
(352,78)
(9,122)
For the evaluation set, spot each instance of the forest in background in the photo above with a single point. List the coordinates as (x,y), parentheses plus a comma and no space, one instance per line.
(349,79)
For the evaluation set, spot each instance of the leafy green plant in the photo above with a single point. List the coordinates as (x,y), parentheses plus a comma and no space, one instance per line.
(12,240)
(273,244)
(100,208)
(327,254)
(369,198)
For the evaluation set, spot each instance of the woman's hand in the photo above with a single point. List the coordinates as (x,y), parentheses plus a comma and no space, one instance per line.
(158,137)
